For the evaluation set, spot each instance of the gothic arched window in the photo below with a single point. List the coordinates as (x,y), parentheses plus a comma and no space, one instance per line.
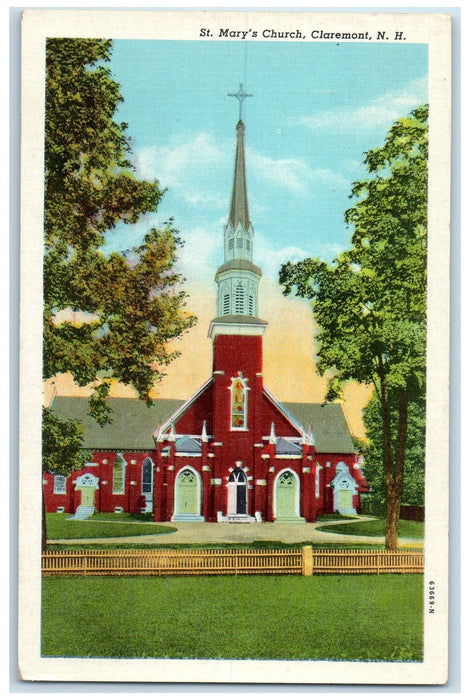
(226,307)
(238,403)
(147,476)
(119,474)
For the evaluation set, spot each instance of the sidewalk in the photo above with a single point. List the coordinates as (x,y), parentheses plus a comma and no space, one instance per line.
(246,533)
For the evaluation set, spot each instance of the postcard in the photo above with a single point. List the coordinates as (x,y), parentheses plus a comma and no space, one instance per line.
(234,347)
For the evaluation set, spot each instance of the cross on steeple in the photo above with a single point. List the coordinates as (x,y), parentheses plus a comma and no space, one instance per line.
(241,95)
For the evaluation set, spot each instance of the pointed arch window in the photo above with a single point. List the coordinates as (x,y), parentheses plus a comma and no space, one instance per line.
(230,243)
(238,403)
(250,305)
(119,474)
(147,476)
(240,242)
(226,306)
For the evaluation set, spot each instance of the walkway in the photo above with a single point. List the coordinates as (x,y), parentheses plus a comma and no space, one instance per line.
(246,533)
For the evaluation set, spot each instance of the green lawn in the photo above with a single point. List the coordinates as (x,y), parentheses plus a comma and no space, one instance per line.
(59,526)
(355,617)
(376,527)
(335,516)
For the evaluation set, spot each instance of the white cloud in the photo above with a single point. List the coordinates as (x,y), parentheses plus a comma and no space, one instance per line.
(382,111)
(270,259)
(292,174)
(188,168)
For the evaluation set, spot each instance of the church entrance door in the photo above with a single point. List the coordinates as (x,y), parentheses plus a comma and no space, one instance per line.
(187,503)
(286,497)
(88,496)
(237,500)
(344,498)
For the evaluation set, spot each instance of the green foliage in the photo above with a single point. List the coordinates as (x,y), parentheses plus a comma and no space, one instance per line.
(373,466)
(62,444)
(370,303)
(126,306)
(317,617)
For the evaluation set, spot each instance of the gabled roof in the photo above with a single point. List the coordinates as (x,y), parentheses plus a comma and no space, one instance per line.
(328,423)
(189,445)
(134,422)
(132,426)
(286,447)
(184,405)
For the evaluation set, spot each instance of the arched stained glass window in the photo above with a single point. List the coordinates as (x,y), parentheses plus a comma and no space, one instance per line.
(147,476)
(119,474)
(238,404)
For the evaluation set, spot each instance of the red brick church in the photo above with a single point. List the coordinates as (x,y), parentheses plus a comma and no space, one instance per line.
(232,452)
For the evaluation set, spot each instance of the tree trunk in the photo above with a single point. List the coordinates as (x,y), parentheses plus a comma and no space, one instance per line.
(395,478)
(393,516)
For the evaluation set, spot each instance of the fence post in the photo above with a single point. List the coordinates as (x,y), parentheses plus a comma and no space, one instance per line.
(307,560)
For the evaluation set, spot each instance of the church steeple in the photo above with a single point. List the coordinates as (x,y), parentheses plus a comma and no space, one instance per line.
(238,278)
(239,202)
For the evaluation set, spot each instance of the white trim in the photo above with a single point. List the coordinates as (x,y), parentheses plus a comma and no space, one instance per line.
(188,454)
(145,493)
(221,328)
(176,513)
(119,455)
(292,420)
(63,490)
(246,389)
(287,456)
(179,412)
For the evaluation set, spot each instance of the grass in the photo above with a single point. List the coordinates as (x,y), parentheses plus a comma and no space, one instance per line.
(335,516)
(59,526)
(260,544)
(360,617)
(376,527)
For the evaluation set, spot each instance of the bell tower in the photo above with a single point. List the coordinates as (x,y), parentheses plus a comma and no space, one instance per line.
(238,277)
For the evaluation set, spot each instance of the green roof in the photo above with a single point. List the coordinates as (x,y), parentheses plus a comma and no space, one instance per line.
(328,423)
(132,426)
(134,422)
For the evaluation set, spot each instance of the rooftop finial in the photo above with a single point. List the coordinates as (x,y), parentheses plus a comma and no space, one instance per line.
(241,95)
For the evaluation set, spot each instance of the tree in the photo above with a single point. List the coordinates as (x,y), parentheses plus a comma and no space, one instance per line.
(62,450)
(370,303)
(107,318)
(372,451)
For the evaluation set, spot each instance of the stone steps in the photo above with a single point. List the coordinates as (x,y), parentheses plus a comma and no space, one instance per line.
(82,513)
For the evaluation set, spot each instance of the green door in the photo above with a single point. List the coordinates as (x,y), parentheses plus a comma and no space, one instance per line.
(88,496)
(187,493)
(286,498)
(344,499)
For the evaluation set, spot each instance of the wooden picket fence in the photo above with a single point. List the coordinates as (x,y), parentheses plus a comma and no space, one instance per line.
(306,561)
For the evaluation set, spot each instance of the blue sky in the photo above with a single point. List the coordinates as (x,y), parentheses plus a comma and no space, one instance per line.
(316,108)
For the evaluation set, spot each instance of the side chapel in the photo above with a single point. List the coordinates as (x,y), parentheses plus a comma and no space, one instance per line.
(231,452)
